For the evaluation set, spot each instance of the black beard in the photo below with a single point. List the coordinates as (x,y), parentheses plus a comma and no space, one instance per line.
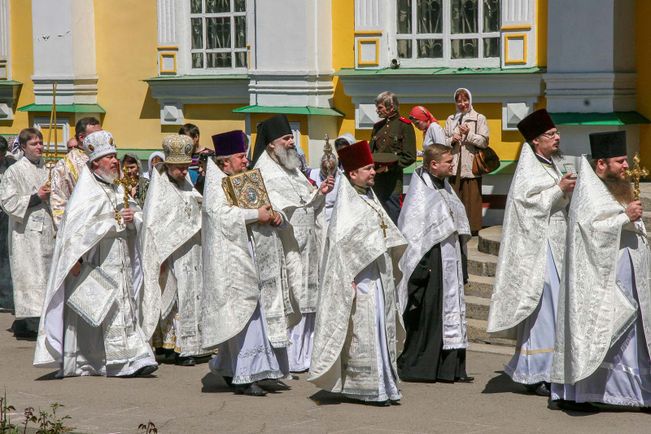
(621,189)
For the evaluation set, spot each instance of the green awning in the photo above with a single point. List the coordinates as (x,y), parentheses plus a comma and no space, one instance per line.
(355,72)
(64,108)
(604,119)
(301,110)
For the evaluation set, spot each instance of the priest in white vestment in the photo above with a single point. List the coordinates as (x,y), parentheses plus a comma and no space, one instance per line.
(89,324)
(603,331)
(247,306)
(530,263)
(304,205)
(431,292)
(6,289)
(24,196)
(67,170)
(359,331)
(171,255)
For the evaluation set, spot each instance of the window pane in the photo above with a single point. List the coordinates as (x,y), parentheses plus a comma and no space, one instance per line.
(491,16)
(218,60)
(240,32)
(240,59)
(429,13)
(197,60)
(195,6)
(216,6)
(197,33)
(404,16)
(464,16)
(218,33)
(430,48)
(492,47)
(240,5)
(404,48)
(465,48)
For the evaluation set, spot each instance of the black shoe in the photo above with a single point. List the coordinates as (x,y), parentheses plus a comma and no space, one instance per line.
(386,403)
(583,407)
(543,389)
(466,379)
(184,361)
(395,402)
(228,381)
(144,371)
(249,389)
(273,385)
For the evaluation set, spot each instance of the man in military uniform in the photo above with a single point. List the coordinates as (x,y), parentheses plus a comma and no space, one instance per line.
(392,134)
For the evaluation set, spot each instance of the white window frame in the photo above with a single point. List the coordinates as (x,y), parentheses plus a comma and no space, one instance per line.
(62,140)
(447,36)
(187,53)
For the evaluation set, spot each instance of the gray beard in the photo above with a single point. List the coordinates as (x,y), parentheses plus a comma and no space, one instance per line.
(288,158)
(109,178)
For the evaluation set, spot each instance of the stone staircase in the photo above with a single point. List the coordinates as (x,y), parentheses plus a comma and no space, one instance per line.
(482,260)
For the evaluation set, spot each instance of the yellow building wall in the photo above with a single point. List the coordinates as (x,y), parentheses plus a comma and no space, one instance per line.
(643,67)
(22,62)
(541,33)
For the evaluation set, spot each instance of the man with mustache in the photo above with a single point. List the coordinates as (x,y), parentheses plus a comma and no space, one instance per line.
(604,314)
(89,323)
(292,194)
(24,196)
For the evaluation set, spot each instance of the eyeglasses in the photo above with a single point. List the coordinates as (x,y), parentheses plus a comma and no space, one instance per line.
(551,134)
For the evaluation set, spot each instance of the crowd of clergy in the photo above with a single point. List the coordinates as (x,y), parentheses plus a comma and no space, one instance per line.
(113,270)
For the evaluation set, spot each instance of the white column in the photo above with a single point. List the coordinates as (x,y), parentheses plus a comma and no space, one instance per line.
(4,39)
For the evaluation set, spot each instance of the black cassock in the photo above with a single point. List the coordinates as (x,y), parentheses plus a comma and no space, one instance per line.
(423,358)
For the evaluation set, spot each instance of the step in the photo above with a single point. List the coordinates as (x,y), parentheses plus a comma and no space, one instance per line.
(477,333)
(489,240)
(479,286)
(477,307)
(479,263)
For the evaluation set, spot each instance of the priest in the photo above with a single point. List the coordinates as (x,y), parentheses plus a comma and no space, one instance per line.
(530,262)
(247,306)
(434,221)
(359,332)
(24,196)
(291,192)
(89,323)
(603,333)
(6,291)
(171,254)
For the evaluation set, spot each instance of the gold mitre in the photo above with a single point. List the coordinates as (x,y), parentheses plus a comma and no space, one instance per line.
(178,149)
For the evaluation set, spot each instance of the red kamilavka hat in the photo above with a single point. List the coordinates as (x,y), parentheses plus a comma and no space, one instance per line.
(355,156)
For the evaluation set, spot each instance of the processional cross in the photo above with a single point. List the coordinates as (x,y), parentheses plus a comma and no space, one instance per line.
(127,182)
(635,174)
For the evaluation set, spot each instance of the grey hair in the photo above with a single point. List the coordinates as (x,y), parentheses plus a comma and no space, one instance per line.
(388,99)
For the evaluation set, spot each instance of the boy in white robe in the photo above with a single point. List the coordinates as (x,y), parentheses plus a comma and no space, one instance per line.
(359,332)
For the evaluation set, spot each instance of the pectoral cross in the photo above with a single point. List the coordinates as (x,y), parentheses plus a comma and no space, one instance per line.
(384,227)
(635,174)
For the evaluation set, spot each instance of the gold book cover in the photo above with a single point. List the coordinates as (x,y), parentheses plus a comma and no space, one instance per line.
(246,189)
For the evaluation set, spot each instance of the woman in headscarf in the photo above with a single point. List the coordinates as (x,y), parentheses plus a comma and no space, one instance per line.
(425,121)
(466,132)
(155,158)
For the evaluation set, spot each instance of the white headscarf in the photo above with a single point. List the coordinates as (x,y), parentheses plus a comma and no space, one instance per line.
(458,114)
(154,154)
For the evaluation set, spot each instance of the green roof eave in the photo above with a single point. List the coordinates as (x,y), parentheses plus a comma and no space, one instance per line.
(300,110)
(10,83)
(353,72)
(507,167)
(605,119)
(64,108)
(176,78)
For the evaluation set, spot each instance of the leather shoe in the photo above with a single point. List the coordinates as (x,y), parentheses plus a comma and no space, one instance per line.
(584,407)
(144,371)
(249,389)
(466,379)
(184,361)
(273,385)
(543,389)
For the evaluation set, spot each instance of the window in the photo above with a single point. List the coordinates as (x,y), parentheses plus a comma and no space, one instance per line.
(218,34)
(448,32)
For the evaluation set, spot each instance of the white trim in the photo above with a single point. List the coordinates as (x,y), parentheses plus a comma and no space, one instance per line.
(43,122)
(5,46)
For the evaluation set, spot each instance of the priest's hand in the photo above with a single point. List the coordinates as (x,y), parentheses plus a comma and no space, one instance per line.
(127,215)
(276,219)
(567,183)
(76,269)
(327,185)
(265,215)
(44,192)
(634,210)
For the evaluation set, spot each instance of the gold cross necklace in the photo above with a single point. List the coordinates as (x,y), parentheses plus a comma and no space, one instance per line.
(383,225)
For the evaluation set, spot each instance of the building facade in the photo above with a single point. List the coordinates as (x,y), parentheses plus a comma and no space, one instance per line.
(145,68)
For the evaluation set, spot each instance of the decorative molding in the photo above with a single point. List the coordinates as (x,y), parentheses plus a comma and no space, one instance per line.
(364,58)
(368,14)
(514,112)
(516,27)
(290,88)
(4,41)
(78,90)
(517,12)
(167,63)
(510,40)
(368,32)
(166,23)
(590,92)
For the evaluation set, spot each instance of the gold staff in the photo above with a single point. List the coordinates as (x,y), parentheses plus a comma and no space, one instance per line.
(49,157)
(635,174)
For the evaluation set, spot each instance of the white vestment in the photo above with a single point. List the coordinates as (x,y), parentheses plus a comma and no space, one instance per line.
(291,193)
(90,326)
(6,290)
(530,260)
(433,216)
(604,313)
(31,235)
(247,306)
(359,332)
(171,235)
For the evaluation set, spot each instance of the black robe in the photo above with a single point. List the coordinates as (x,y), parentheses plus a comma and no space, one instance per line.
(423,358)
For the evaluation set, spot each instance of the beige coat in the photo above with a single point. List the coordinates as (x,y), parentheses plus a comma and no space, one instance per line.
(477,138)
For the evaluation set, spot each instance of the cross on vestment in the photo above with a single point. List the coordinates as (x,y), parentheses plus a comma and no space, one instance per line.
(635,174)
(384,227)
